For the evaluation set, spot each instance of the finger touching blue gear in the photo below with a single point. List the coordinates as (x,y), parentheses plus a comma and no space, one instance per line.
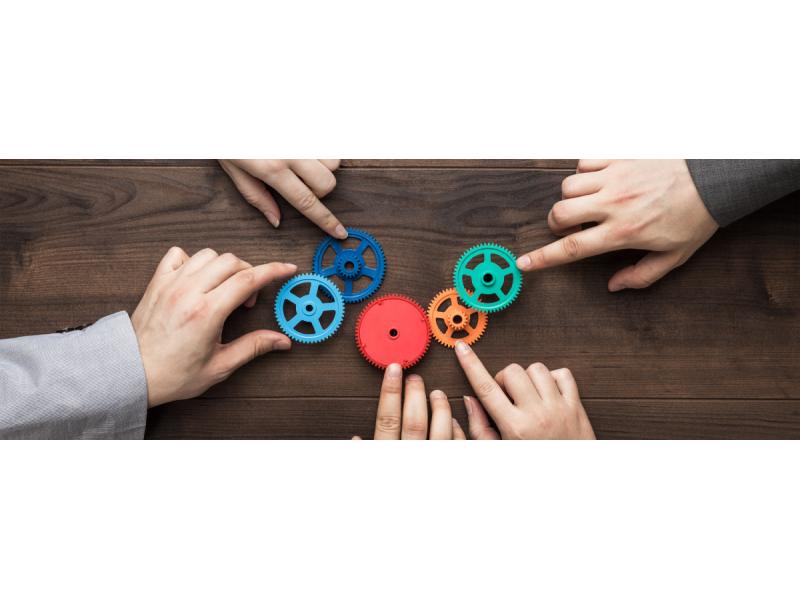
(309,308)
(359,257)
(487,278)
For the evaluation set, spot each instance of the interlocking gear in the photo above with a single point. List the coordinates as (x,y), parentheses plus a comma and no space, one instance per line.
(487,278)
(451,321)
(309,308)
(349,265)
(393,329)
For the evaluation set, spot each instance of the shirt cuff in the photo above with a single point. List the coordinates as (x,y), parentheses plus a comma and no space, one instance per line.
(731,189)
(86,384)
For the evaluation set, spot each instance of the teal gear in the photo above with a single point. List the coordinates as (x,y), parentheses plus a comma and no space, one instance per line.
(486,277)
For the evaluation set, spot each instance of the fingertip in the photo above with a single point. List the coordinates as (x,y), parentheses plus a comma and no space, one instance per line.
(524,262)
(340,232)
(462,348)
(356,438)
(394,370)
(283,344)
(615,286)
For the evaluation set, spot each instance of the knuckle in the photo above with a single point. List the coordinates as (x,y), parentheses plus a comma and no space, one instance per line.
(272,166)
(559,213)
(415,426)
(571,246)
(538,258)
(327,186)
(568,185)
(306,202)
(229,258)
(486,387)
(387,423)
(246,278)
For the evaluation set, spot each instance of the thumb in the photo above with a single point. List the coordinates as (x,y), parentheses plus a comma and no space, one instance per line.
(242,350)
(646,272)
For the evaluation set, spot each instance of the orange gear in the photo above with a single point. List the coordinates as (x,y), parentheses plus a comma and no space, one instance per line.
(452,321)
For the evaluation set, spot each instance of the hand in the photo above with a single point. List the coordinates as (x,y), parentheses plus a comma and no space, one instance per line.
(543,404)
(301,182)
(396,421)
(179,321)
(643,204)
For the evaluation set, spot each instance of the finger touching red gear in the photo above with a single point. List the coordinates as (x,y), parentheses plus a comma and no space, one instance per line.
(393,329)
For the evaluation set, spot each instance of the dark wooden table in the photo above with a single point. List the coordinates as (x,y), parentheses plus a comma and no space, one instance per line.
(713,351)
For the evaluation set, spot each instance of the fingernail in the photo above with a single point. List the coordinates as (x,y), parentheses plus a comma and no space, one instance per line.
(523,262)
(439,394)
(615,287)
(283,345)
(274,220)
(414,377)
(468,404)
(462,348)
(290,265)
(394,370)
(340,232)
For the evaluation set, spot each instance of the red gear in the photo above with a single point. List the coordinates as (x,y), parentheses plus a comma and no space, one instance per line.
(393,329)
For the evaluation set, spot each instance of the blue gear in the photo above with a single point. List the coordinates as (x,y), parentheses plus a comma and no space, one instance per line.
(309,307)
(349,265)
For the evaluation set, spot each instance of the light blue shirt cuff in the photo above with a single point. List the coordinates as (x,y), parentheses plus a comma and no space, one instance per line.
(87,384)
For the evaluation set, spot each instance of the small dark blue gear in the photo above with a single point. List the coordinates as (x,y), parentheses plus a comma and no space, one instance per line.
(349,264)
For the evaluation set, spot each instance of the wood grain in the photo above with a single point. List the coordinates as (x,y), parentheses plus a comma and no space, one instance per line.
(342,418)
(79,241)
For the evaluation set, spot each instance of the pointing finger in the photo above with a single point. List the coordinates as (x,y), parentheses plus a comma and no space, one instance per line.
(390,403)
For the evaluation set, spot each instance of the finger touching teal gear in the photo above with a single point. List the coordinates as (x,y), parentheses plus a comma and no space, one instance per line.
(309,308)
(357,263)
(487,278)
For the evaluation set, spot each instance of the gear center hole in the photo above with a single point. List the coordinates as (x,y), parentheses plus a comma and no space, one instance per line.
(349,266)
(488,278)
(393,333)
(309,308)
(457,319)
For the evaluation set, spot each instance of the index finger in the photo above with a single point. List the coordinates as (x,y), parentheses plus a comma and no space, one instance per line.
(390,405)
(237,288)
(303,199)
(487,389)
(583,244)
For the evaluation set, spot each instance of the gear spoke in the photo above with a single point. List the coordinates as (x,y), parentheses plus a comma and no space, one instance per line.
(362,246)
(295,320)
(328,271)
(315,323)
(369,272)
(292,298)
(348,287)
(328,306)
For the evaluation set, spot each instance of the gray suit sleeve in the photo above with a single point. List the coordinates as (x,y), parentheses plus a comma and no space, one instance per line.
(81,384)
(732,189)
